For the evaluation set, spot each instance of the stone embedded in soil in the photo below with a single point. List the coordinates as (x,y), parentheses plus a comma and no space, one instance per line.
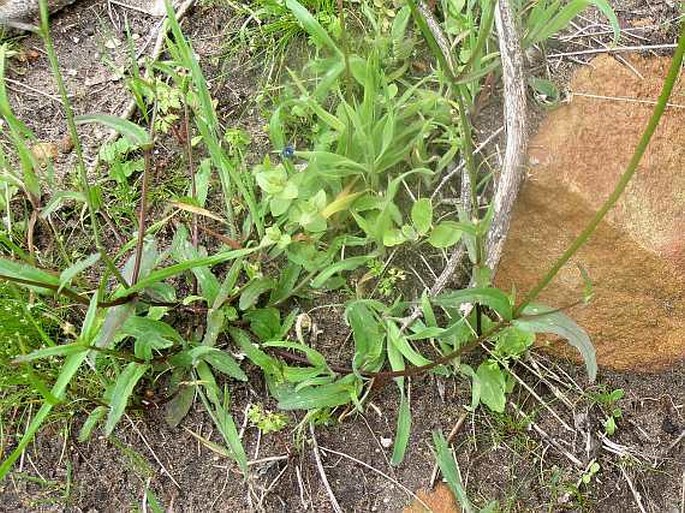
(440,500)
(636,258)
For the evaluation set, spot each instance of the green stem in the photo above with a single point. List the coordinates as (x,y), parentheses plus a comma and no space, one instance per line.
(659,109)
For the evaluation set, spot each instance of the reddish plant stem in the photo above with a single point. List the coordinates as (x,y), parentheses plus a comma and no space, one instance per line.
(142,214)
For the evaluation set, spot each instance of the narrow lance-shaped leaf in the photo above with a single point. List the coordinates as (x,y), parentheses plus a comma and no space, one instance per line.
(134,133)
(402,431)
(325,396)
(450,471)
(542,319)
(123,389)
(397,339)
(313,27)
(173,270)
(489,296)
(13,269)
(179,405)
(77,268)
(348,264)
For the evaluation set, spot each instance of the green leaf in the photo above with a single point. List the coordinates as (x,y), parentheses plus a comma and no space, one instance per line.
(542,319)
(311,26)
(605,7)
(27,272)
(427,310)
(348,264)
(314,357)
(396,361)
(286,283)
(588,291)
(422,215)
(179,405)
(400,342)
(47,352)
(445,234)
(393,237)
(402,432)
(215,325)
(489,296)
(150,335)
(450,471)
(224,363)
(69,369)
(77,268)
(182,251)
(492,385)
(114,319)
(262,360)
(513,341)
(221,416)
(273,180)
(324,396)
(254,289)
(92,420)
(368,336)
(123,389)
(265,323)
(331,165)
(546,92)
(134,133)
(610,426)
(173,270)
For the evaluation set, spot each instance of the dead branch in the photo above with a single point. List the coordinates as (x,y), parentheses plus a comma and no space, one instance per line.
(515,121)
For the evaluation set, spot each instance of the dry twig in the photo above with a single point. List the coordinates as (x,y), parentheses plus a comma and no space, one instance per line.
(380,473)
(636,494)
(515,121)
(322,473)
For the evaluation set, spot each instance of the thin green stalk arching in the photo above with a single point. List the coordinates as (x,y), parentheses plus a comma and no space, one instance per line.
(73,134)
(659,109)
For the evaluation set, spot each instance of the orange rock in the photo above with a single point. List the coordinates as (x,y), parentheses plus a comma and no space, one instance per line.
(440,500)
(636,259)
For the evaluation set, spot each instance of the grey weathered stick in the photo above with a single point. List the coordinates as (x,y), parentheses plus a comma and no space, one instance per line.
(636,494)
(515,121)
(322,473)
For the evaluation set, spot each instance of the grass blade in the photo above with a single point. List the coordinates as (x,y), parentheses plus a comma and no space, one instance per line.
(311,26)
(450,471)
(134,133)
(71,366)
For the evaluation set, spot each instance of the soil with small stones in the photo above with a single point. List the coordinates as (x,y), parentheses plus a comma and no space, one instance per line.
(536,467)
